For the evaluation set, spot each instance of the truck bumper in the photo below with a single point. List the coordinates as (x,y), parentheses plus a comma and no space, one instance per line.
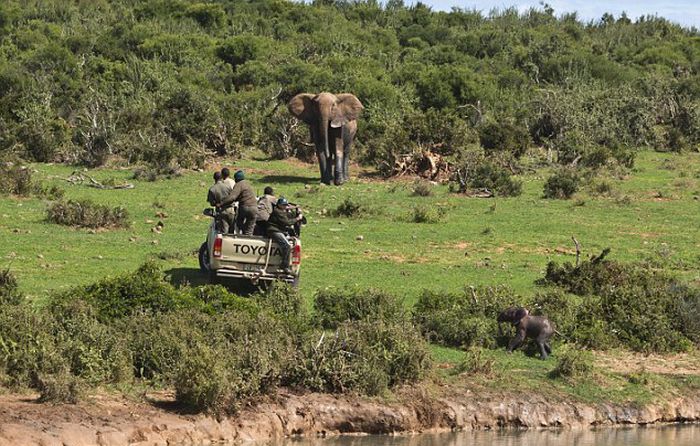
(254,276)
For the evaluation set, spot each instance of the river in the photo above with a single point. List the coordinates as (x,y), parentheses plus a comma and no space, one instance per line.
(669,435)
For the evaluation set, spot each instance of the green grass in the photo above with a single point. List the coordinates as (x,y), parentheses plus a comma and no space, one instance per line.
(480,241)
(653,214)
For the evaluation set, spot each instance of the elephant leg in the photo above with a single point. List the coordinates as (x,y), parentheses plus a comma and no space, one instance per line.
(339,160)
(548,347)
(543,350)
(348,136)
(324,166)
(516,341)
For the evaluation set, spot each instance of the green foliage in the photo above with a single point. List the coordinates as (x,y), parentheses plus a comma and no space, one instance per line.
(87,214)
(427,214)
(362,356)
(473,173)
(422,188)
(622,304)
(574,363)
(143,290)
(334,306)
(9,291)
(349,208)
(179,80)
(504,137)
(463,319)
(17,179)
(476,362)
(563,184)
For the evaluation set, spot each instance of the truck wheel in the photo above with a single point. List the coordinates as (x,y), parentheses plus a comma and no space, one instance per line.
(204,258)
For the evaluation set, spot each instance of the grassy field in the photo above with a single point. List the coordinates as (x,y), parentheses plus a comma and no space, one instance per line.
(652,215)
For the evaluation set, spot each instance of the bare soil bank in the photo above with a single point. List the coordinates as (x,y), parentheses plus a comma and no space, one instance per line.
(113,420)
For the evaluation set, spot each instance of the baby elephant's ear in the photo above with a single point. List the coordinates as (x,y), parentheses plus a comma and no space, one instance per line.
(520,313)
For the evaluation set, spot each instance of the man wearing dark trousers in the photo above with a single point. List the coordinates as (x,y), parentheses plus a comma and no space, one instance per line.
(277,227)
(217,193)
(244,194)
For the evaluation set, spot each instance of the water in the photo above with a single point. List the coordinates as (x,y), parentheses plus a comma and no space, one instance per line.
(670,435)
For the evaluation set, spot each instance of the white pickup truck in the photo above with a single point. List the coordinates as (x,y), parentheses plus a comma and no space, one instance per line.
(249,257)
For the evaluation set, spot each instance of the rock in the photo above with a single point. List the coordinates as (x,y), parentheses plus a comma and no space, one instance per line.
(149,222)
(360,237)
(39,256)
(154,242)
(132,239)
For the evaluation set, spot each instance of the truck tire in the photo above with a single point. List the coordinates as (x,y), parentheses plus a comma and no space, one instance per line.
(204,258)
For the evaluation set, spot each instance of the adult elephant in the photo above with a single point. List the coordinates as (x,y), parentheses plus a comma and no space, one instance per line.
(333,122)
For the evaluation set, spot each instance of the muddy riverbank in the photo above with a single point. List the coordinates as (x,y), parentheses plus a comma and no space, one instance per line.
(114,420)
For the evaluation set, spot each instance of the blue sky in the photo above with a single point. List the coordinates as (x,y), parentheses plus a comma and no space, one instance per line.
(685,12)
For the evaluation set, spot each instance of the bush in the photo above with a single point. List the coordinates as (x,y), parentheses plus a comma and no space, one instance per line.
(476,362)
(474,173)
(422,188)
(17,180)
(334,306)
(9,291)
(562,184)
(144,290)
(349,208)
(640,309)
(504,137)
(463,319)
(573,362)
(87,214)
(427,214)
(363,356)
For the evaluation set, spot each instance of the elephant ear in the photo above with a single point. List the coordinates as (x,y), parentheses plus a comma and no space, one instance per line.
(348,108)
(300,107)
(519,314)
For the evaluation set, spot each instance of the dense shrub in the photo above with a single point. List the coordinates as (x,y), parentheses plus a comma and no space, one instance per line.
(362,356)
(562,184)
(349,208)
(9,291)
(638,308)
(334,306)
(504,137)
(573,362)
(477,362)
(427,214)
(463,319)
(474,173)
(144,290)
(16,179)
(87,214)
(422,188)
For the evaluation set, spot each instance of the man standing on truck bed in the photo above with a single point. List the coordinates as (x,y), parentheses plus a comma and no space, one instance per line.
(265,204)
(277,227)
(244,194)
(217,193)
(226,177)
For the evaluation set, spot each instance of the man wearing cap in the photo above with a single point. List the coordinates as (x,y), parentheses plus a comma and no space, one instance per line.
(244,194)
(217,193)
(277,227)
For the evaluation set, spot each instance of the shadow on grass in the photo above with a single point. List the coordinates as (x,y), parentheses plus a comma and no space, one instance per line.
(195,277)
(187,276)
(285,179)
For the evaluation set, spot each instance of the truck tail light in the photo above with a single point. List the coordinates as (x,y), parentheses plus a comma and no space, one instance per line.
(296,255)
(217,246)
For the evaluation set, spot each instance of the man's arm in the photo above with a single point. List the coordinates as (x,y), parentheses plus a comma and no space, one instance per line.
(232,196)
(211,198)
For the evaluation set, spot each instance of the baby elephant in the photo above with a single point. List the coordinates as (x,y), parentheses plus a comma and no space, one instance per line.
(538,328)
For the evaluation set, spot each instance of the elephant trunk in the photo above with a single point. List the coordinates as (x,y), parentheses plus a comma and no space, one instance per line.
(323,127)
